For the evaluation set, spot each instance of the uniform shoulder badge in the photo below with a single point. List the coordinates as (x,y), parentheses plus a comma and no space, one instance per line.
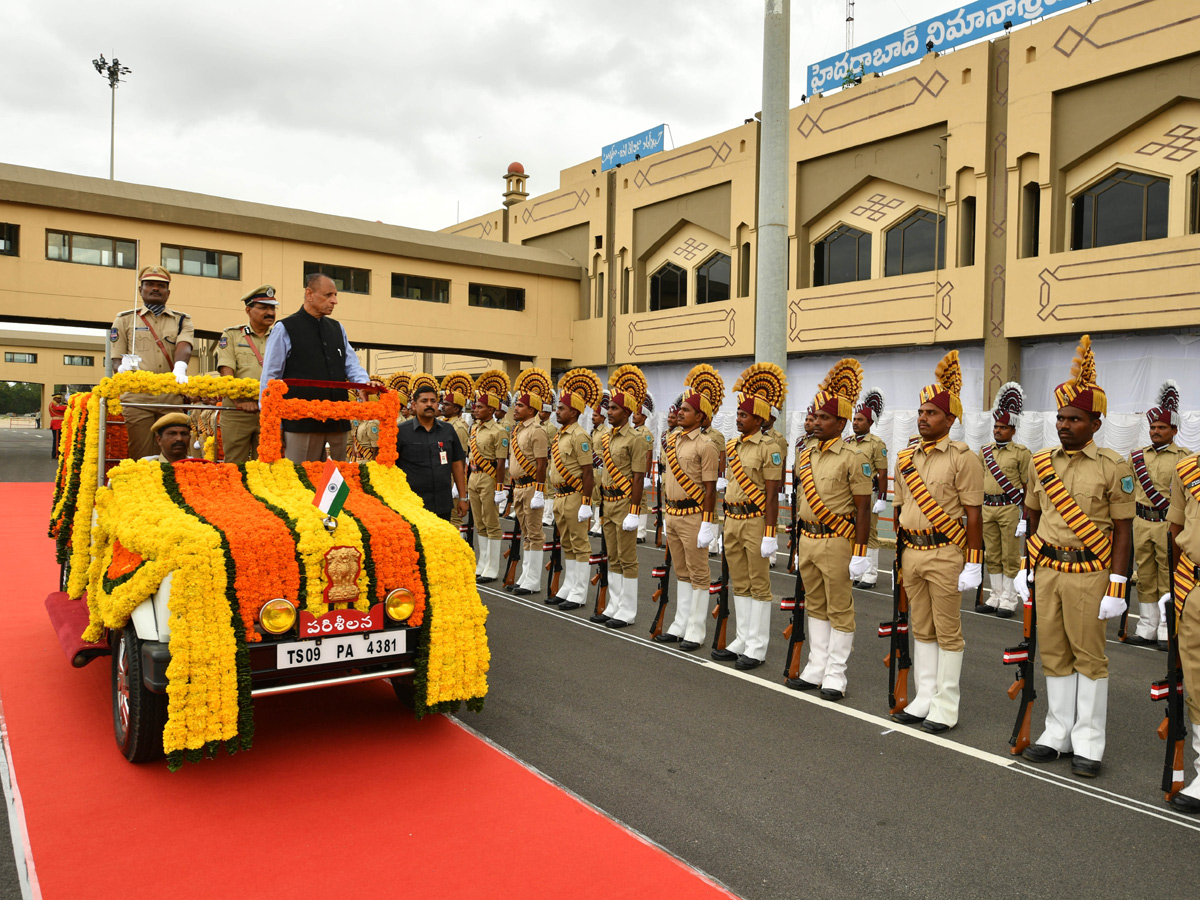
(112,335)
(649,438)
(223,342)
(1127,484)
(776,459)
(867,469)
(584,446)
(503,442)
(885,452)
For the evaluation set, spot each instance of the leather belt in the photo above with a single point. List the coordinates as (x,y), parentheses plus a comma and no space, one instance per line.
(998,500)
(564,490)
(681,507)
(613,494)
(1068,554)
(742,510)
(925,539)
(816,529)
(523,480)
(1150,514)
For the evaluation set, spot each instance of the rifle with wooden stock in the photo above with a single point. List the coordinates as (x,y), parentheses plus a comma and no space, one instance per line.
(600,579)
(554,566)
(513,553)
(1022,656)
(793,536)
(721,610)
(663,574)
(658,509)
(795,629)
(898,659)
(1174,729)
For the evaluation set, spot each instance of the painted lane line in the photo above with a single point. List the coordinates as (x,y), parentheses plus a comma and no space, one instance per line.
(17,826)
(1115,799)
(1153,807)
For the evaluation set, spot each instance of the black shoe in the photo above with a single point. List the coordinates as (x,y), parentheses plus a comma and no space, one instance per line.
(1085,768)
(1185,804)
(746,663)
(599,619)
(905,718)
(831,694)
(641,540)
(1164,646)
(509,587)
(569,605)
(689,645)
(665,637)
(934,727)
(856,584)
(1138,641)
(984,609)
(1040,753)
(554,601)
(799,684)
(479,579)
(723,655)
(1002,613)
(523,592)
(866,585)
(616,623)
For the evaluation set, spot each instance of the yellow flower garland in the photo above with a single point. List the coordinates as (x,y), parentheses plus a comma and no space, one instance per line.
(81,526)
(210,387)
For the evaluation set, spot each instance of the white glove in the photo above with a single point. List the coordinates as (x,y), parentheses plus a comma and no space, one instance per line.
(859,565)
(880,506)
(768,547)
(722,483)
(1162,607)
(180,371)
(129,362)
(538,501)
(630,522)
(646,485)
(1021,585)
(453,491)
(1022,527)
(1111,607)
(501,500)
(971,577)
(708,531)
(585,512)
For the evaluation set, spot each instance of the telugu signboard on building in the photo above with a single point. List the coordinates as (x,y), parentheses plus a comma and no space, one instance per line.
(969,22)
(629,149)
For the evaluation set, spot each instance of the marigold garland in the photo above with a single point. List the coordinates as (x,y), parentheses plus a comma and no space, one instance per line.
(209,387)
(276,407)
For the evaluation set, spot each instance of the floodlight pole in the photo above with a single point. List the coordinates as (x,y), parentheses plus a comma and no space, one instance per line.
(113,72)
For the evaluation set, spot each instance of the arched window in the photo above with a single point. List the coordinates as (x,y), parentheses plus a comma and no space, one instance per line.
(712,278)
(842,255)
(912,245)
(668,287)
(1122,208)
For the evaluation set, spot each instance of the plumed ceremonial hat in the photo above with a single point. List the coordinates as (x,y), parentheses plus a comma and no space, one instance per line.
(1081,390)
(872,405)
(580,388)
(550,402)
(401,383)
(647,405)
(676,403)
(175,418)
(532,387)
(761,389)
(838,393)
(703,389)
(422,380)
(491,388)
(943,393)
(457,388)
(627,388)
(1167,410)
(264,294)
(1010,402)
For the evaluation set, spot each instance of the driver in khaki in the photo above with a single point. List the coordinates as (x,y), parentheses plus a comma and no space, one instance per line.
(571,476)
(172,434)
(240,352)
(457,388)
(488,448)
(528,454)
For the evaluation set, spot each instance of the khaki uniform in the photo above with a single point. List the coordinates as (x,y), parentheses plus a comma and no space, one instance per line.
(628,453)
(597,462)
(550,431)
(1002,547)
(874,449)
(698,460)
(491,444)
(530,439)
(239,430)
(749,570)
(464,438)
(1185,512)
(954,477)
(172,328)
(1150,524)
(1070,636)
(575,451)
(840,473)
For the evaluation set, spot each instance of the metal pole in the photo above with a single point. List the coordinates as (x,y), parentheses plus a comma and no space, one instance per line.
(770,324)
(112,132)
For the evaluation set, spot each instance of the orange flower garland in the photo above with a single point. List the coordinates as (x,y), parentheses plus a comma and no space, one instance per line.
(123,562)
(275,408)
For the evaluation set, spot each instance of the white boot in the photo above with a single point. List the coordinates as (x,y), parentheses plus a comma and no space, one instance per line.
(1009,601)
(579,587)
(1091,715)
(717,544)
(480,554)
(1060,712)
(944,708)
(616,585)
(629,600)
(683,608)
(643,519)
(1163,637)
(596,528)
(1193,789)
(872,574)
(548,512)
(840,643)
(697,623)
(925,668)
(1147,626)
(818,634)
(531,570)
(759,633)
(494,550)
(741,621)
(992,603)
(567,579)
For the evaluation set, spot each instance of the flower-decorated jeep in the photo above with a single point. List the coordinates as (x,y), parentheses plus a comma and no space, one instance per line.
(211,584)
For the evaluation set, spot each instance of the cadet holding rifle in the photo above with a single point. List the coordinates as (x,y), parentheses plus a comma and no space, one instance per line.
(488,453)
(1005,474)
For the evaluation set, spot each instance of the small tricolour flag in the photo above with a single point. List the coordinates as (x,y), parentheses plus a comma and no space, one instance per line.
(332,491)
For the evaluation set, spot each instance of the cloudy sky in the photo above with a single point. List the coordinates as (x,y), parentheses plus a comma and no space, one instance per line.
(395,110)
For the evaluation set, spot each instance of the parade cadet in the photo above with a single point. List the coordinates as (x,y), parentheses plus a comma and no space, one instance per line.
(571,474)
(599,427)
(689,498)
(938,482)
(624,455)
(240,354)
(488,453)
(551,430)
(1184,518)
(755,468)
(639,426)
(874,450)
(172,434)
(779,442)
(833,506)
(1080,503)
(1005,474)
(401,383)
(719,442)
(456,390)
(154,339)
(528,451)
(1152,470)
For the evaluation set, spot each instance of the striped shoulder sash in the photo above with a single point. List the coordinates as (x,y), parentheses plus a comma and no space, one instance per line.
(693,490)
(1075,518)
(840,525)
(1011,491)
(483,465)
(572,482)
(1153,494)
(620,480)
(938,517)
(753,492)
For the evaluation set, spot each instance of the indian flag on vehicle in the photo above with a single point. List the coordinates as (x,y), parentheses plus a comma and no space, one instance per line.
(332,491)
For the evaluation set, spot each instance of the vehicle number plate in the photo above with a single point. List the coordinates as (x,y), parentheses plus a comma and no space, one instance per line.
(350,649)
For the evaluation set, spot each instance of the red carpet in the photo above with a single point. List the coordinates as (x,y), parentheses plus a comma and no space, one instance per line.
(344,795)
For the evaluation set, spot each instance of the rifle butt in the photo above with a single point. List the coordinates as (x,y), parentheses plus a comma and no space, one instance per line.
(1020,738)
(900,691)
(1173,777)
(601,599)
(656,626)
(510,573)
(793,666)
(555,581)
(719,639)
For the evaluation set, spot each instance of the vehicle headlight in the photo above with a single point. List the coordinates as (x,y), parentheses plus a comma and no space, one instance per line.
(277,616)
(399,604)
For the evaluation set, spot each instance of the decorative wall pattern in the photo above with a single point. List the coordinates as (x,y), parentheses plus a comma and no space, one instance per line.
(1178,144)
(899,313)
(876,207)
(664,170)
(1115,26)
(557,205)
(862,103)
(686,332)
(1114,288)
(475,229)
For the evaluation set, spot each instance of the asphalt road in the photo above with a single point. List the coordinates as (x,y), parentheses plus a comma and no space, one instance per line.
(778,794)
